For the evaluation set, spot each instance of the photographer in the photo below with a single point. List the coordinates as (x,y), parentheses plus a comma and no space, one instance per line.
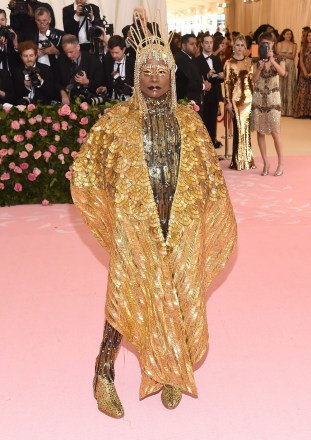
(22,17)
(6,88)
(78,72)
(33,81)
(9,58)
(78,18)
(118,69)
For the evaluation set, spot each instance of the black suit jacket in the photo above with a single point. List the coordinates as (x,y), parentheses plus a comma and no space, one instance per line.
(214,94)
(89,63)
(45,93)
(189,81)
(71,26)
(6,85)
(108,64)
(11,55)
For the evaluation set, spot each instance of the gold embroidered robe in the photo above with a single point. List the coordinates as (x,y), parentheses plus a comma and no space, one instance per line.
(155,294)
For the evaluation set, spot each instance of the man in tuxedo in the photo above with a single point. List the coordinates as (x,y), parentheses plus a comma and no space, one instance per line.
(24,24)
(118,69)
(6,88)
(9,57)
(78,18)
(211,70)
(77,71)
(189,81)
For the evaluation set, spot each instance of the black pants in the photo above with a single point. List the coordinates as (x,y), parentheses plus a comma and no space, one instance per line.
(210,112)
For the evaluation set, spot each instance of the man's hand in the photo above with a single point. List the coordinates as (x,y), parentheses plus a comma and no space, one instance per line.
(64,97)
(82,79)
(207,86)
(101,89)
(52,50)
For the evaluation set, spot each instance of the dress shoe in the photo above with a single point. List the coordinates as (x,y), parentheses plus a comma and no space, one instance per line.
(107,398)
(279,172)
(171,396)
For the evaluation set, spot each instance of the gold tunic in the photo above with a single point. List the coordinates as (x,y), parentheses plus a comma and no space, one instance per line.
(156,285)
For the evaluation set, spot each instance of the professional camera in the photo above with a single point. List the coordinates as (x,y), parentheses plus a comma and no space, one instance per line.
(6,32)
(263,49)
(45,43)
(120,88)
(97,100)
(55,36)
(21,7)
(31,74)
(86,9)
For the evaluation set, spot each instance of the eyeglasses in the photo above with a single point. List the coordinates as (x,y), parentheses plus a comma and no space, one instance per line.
(43,21)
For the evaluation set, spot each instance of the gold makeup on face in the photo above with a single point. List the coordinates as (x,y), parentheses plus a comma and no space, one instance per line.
(154,70)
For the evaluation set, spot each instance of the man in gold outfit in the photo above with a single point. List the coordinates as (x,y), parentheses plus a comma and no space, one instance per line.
(148,184)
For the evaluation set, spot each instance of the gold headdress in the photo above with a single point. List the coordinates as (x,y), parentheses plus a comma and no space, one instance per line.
(151,44)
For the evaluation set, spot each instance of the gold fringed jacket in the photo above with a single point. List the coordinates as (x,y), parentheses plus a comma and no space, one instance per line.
(156,287)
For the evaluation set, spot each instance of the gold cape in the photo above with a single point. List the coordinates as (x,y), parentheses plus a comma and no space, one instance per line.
(155,294)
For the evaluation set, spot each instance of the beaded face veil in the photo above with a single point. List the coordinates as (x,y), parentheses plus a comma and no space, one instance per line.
(151,47)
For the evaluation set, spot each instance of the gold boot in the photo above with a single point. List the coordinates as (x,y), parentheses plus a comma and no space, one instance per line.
(107,398)
(171,396)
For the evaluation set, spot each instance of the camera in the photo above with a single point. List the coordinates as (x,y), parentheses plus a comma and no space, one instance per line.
(6,32)
(21,7)
(55,36)
(263,49)
(31,74)
(45,43)
(95,32)
(86,9)
(120,88)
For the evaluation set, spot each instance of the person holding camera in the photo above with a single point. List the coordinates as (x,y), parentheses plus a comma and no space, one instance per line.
(33,81)
(79,73)
(78,18)
(118,70)
(266,106)
(22,17)
(9,58)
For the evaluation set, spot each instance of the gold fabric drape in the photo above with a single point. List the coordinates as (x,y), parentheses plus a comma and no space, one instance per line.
(155,295)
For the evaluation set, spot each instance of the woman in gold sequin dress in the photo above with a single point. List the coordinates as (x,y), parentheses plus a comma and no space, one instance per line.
(302,106)
(287,48)
(148,184)
(266,107)
(238,88)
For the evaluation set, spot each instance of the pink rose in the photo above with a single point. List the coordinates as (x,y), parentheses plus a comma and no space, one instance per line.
(4,139)
(84,105)
(196,107)
(48,119)
(82,133)
(74,154)
(22,121)
(3,152)
(57,138)
(31,107)
(23,154)
(73,116)
(56,126)
(5,176)
(64,110)
(47,156)
(80,140)
(39,118)
(24,166)
(66,150)
(36,172)
(61,158)
(84,121)
(15,125)
(18,138)
(12,165)
(18,170)
(45,202)
(32,121)
(68,175)
(10,151)
(18,187)
(29,147)
(52,148)
(31,177)
(42,132)
(51,171)
(29,134)
(1,185)
(7,108)
(64,125)
(37,154)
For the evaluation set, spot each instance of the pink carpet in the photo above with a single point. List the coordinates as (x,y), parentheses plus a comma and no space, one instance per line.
(255,382)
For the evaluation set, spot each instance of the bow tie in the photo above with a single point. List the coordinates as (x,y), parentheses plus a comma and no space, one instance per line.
(207,56)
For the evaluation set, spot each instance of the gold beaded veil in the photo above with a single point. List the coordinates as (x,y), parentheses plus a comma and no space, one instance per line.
(152,46)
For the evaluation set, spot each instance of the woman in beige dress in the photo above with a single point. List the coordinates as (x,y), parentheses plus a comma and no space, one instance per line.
(287,48)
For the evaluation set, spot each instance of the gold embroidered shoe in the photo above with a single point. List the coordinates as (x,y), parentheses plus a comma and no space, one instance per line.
(107,398)
(171,396)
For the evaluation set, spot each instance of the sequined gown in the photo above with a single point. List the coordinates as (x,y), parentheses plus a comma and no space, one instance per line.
(288,83)
(266,106)
(302,106)
(149,186)
(238,89)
